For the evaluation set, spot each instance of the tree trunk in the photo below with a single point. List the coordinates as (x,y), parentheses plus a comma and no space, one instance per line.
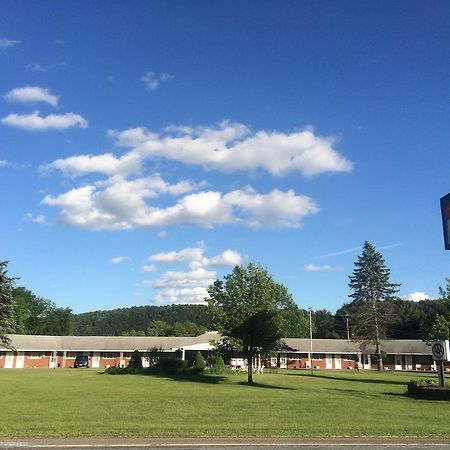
(377,335)
(250,370)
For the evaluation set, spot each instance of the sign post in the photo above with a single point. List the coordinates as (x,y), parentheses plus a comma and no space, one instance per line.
(445,211)
(441,353)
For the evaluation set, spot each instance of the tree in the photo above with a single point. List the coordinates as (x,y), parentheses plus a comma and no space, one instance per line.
(37,315)
(199,364)
(444,293)
(370,286)
(247,308)
(440,330)
(8,317)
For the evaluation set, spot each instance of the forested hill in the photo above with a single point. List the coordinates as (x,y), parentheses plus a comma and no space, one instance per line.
(138,319)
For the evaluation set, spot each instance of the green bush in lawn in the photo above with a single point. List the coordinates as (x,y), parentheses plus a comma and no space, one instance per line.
(428,389)
(219,363)
(199,365)
(136,360)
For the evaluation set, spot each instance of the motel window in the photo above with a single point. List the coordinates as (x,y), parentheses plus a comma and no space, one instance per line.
(109,355)
(318,356)
(35,355)
(127,355)
(2,354)
(72,355)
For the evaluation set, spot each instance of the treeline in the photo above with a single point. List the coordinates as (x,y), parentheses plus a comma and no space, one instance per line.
(141,320)
(35,315)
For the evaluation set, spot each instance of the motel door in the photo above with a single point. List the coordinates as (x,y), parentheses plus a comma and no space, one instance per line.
(398,362)
(95,360)
(337,362)
(9,359)
(20,358)
(52,361)
(283,362)
(328,362)
(408,362)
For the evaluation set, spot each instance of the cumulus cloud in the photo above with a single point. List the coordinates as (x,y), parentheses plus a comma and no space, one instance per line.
(189,286)
(6,43)
(119,204)
(152,80)
(276,209)
(228,147)
(183,287)
(4,163)
(119,259)
(34,121)
(40,218)
(233,146)
(149,268)
(324,268)
(416,296)
(195,258)
(32,94)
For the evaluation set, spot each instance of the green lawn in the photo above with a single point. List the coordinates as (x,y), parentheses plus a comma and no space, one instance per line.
(64,402)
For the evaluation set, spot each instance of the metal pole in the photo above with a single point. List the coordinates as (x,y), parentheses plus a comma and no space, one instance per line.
(348,329)
(310,342)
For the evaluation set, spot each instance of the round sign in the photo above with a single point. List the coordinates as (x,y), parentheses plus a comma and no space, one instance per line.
(438,350)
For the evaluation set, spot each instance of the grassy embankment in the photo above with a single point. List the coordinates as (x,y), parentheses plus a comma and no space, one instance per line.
(86,403)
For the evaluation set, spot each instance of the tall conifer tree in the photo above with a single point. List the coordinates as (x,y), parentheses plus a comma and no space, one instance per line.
(8,318)
(371,286)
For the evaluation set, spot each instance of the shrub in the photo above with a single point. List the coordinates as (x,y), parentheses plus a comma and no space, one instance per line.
(170,366)
(200,364)
(135,360)
(428,389)
(219,363)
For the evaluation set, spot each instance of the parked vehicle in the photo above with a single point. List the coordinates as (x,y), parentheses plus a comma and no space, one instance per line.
(81,362)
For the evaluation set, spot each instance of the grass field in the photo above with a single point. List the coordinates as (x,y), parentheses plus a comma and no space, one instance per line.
(45,403)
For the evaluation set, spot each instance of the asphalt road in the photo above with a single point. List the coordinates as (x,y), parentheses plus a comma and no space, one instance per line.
(227,444)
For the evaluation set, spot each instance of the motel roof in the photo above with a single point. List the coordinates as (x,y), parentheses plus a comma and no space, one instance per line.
(202,342)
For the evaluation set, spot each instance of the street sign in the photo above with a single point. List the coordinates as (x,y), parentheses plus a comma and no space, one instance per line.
(440,350)
(445,210)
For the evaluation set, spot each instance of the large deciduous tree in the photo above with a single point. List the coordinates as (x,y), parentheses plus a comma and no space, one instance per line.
(247,307)
(8,318)
(370,286)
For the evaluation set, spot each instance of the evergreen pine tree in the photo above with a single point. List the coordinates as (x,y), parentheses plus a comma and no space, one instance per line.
(370,286)
(8,317)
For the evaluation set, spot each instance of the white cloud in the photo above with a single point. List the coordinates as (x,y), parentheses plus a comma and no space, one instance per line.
(29,94)
(182,287)
(40,218)
(6,43)
(324,268)
(36,67)
(232,146)
(119,259)
(119,204)
(4,163)
(152,80)
(276,209)
(185,255)
(106,164)
(53,121)
(188,286)
(149,268)
(161,234)
(416,296)
(229,147)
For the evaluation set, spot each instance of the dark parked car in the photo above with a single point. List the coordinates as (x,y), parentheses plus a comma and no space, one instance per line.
(81,361)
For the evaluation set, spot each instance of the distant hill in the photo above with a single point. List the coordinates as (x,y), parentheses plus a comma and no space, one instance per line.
(138,318)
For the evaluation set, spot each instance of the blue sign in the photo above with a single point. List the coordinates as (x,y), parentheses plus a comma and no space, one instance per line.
(445,210)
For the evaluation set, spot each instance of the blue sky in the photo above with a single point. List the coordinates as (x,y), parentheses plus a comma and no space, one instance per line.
(147,147)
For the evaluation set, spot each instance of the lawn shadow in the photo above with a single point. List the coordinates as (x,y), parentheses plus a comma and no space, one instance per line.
(264,386)
(357,380)
(207,379)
